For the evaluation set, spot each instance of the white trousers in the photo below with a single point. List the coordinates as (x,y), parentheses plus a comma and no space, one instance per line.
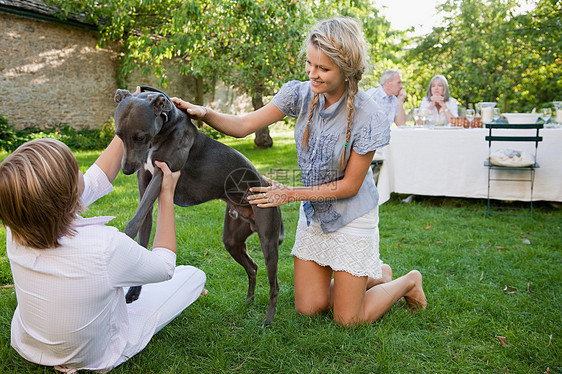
(165,301)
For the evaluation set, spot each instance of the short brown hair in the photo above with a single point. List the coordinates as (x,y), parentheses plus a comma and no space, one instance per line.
(39,193)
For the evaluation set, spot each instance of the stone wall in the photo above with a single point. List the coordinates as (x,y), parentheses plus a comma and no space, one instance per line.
(221,97)
(52,73)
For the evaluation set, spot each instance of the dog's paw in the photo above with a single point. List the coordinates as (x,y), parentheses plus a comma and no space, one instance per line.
(133,294)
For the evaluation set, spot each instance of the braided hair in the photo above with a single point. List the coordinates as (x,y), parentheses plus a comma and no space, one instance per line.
(341,39)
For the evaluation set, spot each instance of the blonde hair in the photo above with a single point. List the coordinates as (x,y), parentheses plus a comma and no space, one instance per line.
(39,193)
(341,39)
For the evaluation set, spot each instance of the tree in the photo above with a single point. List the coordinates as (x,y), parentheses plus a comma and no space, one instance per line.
(539,34)
(252,45)
(257,44)
(489,53)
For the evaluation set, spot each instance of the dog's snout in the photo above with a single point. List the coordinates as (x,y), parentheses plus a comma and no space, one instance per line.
(129,168)
(127,171)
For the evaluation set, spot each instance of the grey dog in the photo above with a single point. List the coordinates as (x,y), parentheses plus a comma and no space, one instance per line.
(152,128)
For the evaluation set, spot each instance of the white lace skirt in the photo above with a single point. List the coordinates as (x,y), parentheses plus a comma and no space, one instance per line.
(354,248)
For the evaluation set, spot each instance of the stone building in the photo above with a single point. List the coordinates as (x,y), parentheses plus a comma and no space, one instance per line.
(52,72)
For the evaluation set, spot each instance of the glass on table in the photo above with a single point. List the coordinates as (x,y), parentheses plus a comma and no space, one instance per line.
(558,112)
(478,109)
(496,114)
(416,114)
(546,113)
(425,116)
(470,116)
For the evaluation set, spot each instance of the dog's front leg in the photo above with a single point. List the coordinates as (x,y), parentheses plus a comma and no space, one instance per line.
(145,205)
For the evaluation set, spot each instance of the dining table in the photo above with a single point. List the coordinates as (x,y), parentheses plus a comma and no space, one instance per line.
(449,161)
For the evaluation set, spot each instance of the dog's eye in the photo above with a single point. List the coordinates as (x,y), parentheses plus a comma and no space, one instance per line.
(139,138)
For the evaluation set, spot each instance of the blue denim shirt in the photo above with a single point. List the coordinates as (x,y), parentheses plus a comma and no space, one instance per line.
(319,162)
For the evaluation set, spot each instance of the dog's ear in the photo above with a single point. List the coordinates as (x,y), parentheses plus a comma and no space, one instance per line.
(160,103)
(120,95)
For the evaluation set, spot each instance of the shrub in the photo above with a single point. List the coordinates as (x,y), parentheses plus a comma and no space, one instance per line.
(82,140)
(7,135)
(211,132)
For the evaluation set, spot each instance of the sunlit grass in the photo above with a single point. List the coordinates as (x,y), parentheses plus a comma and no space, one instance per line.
(467,260)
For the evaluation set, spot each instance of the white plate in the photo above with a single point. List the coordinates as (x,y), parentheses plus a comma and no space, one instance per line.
(446,127)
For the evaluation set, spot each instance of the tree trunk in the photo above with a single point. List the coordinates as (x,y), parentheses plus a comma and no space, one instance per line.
(262,139)
(199,96)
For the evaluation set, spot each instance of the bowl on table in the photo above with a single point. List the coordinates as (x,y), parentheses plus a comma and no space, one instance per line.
(521,118)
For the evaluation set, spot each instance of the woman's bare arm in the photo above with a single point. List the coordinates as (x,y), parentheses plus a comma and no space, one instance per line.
(279,194)
(237,126)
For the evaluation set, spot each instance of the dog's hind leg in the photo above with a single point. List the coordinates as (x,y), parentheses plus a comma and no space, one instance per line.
(236,231)
(268,227)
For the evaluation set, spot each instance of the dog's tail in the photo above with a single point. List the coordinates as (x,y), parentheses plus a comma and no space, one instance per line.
(281,233)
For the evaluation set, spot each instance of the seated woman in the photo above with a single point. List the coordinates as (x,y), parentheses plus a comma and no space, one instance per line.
(442,107)
(70,272)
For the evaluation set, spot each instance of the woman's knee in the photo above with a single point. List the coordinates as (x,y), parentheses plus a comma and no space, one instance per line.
(311,307)
(347,318)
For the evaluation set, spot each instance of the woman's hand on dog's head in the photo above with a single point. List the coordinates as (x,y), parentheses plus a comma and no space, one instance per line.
(194,111)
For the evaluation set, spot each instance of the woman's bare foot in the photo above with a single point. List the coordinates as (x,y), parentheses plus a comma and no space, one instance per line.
(386,277)
(386,273)
(415,298)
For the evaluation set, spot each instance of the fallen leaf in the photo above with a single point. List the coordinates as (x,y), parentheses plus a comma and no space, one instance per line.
(525,241)
(529,289)
(549,340)
(503,341)
(481,276)
(439,242)
(547,370)
(500,248)
(427,227)
(399,245)
(7,286)
(509,290)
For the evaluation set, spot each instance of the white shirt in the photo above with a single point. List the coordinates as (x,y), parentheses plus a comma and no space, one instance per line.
(71,305)
(388,104)
(438,118)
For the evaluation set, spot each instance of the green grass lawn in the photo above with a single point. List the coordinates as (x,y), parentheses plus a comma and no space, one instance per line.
(493,286)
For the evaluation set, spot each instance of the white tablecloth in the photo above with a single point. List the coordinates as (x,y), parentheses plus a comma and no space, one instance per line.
(450,162)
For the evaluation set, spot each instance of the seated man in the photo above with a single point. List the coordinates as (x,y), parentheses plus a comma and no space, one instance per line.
(390,96)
